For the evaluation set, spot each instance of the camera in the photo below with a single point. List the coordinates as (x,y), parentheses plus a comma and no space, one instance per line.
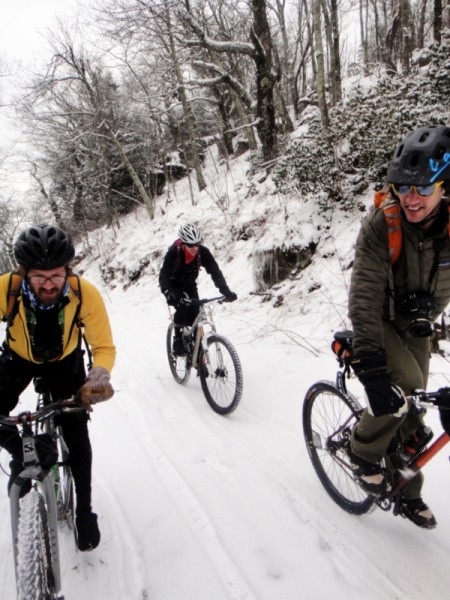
(419,308)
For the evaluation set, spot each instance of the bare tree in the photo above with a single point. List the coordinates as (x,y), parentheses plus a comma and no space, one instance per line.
(437,20)
(320,60)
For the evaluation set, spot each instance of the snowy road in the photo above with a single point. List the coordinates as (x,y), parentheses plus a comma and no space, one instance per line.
(194,506)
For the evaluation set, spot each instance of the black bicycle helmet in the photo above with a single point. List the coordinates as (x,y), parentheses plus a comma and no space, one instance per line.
(422,158)
(43,247)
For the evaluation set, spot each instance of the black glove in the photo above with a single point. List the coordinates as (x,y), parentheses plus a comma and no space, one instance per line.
(229,296)
(184,299)
(444,413)
(384,398)
(172,299)
(444,410)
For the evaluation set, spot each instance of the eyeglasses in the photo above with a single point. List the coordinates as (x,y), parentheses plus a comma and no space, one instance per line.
(41,279)
(422,190)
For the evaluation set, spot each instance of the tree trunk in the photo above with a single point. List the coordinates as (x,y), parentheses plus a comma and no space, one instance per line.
(405,36)
(265,81)
(363,35)
(189,120)
(437,21)
(320,82)
(421,25)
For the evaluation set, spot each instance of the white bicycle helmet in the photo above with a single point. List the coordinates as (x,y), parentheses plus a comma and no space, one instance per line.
(190,234)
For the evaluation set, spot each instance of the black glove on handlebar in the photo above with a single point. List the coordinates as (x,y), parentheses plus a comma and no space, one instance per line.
(444,409)
(184,300)
(171,298)
(444,413)
(230,296)
(384,398)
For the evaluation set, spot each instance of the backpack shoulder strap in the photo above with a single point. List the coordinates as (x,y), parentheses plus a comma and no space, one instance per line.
(74,282)
(14,289)
(392,215)
(177,263)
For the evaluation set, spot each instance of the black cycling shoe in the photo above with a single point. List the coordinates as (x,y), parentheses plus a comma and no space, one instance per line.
(87,532)
(418,512)
(16,467)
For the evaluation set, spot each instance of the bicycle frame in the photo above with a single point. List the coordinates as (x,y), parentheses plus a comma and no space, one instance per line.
(420,461)
(204,318)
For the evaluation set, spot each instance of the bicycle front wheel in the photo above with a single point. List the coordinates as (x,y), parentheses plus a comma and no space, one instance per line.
(220,374)
(34,569)
(61,474)
(328,418)
(179,366)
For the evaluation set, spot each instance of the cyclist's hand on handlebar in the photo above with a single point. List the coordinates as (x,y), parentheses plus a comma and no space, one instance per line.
(171,298)
(97,387)
(230,296)
(184,300)
(444,409)
(384,398)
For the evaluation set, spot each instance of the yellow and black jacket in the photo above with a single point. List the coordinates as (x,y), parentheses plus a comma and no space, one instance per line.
(92,314)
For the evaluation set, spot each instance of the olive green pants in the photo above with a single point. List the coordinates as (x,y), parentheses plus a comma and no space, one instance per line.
(408,360)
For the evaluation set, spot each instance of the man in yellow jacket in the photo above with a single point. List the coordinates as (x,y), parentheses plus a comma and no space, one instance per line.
(43,340)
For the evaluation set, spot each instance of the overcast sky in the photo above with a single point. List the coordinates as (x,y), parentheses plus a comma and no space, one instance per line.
(22,23)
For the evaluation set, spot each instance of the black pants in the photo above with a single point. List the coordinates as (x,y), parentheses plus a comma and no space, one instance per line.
(63,378)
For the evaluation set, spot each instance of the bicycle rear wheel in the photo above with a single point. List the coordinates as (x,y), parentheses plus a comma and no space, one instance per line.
(328,417)
(220,374)
(179,366)
(35,580)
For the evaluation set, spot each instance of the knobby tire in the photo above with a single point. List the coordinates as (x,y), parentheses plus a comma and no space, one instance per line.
(221,375)
(34,558)
(328,417)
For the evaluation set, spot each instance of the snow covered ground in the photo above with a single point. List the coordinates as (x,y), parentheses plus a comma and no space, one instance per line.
(195,506)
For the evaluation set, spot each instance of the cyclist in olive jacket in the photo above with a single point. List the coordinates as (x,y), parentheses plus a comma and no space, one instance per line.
(178,278)
(392,307)
(44,341)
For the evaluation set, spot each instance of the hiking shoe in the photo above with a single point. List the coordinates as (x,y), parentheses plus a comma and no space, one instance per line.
(418,512)
(16,467)
(178,347)
(369,475)
(87,532)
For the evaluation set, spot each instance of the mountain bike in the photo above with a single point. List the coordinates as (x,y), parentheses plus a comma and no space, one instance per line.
(212,355)
(35,516)
(330,413)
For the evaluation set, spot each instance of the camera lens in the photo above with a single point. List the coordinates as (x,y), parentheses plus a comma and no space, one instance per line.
(421,328)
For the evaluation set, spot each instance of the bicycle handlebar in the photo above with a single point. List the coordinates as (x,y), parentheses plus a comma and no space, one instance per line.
(440,398)
(201,302)
(63,406)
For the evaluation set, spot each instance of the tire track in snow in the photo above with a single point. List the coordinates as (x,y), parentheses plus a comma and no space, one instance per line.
(192,510)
